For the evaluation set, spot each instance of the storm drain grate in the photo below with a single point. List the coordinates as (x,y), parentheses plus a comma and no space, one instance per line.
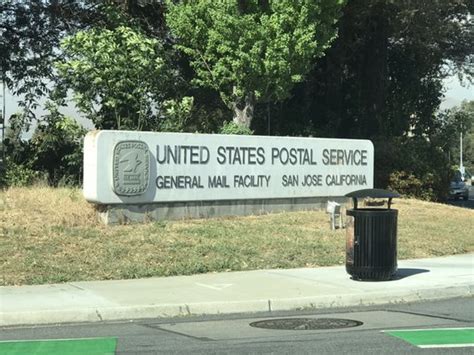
(306,323)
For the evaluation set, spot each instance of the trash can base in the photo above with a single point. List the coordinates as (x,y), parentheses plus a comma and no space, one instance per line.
(371,274)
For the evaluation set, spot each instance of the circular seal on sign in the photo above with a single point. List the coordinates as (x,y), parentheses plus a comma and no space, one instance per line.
(131,168)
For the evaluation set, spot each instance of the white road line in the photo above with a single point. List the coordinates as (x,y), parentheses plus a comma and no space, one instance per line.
(434,346)
(45,340)
(217,287)
(418,330)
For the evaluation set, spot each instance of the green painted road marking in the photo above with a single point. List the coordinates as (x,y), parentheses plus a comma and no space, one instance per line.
(436,338)
(93,346)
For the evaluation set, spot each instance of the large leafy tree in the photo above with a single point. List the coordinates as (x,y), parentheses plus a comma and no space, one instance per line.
(252,51)
(120,77)
(53,153)
(30,32)
(455,122)
(56,147)
(383,74)
(382,80)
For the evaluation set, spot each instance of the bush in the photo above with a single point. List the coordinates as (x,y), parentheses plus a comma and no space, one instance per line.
(409,185)
(413,166)
(235,128)
(53,154)
(15,174)
(56,148)
(176,114)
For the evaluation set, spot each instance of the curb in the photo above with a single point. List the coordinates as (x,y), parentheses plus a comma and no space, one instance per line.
(104,314)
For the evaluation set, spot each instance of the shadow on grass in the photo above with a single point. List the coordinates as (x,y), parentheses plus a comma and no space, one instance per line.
(462,203)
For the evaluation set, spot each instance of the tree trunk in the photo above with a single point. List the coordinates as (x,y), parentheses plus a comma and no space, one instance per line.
(243,110)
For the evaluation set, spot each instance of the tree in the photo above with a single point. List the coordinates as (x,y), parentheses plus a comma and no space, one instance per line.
(56,148)
(148,15)
(469,138)
(30,36)
(383,74)
(382,80)
(52,154)
(423,165)
(120,77)
(252,51)
(30,32)
(455,121)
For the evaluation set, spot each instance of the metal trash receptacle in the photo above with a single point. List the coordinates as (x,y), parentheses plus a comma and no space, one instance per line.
(371,244)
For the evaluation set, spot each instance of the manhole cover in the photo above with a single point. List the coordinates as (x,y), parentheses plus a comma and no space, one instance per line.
(306,323)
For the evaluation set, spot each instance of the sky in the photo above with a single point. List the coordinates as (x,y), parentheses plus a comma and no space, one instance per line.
(11,106)
(454,95)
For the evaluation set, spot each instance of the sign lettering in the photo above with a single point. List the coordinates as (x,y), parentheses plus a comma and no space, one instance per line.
(146,167)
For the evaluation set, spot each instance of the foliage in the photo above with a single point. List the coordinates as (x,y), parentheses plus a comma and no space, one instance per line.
(119,77)
(456,121)
(410,186)
(252,51)
(176,114)
(16,148)
(235,128)
(148,15)
(414,166)
(423,166)
(209,112)
(57,148)
(53,153)
(381,78)
(469,151)
(18,169)
(383,74)
(30,32)
(16,174)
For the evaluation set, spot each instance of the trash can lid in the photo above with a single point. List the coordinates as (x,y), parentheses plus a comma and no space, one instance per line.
(373,193)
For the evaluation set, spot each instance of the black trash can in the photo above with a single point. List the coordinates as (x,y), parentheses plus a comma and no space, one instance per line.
(371,247)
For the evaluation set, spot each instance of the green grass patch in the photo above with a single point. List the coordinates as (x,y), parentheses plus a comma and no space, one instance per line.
(92,346)
(433,337)
(52,235)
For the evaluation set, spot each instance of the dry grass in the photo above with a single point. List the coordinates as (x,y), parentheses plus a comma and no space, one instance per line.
(433,229)
(52,235)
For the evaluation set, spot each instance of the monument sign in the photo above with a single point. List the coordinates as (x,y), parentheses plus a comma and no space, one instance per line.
(128,167)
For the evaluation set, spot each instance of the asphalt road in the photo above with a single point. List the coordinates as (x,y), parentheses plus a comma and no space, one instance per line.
(234,335)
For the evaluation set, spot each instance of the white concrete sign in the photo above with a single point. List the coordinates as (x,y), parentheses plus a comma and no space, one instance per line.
(145,167)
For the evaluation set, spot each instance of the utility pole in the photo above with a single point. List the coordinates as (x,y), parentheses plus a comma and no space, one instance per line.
(3,121)
(461,166)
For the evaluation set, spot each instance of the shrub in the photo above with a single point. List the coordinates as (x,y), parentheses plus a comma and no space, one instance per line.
(53,154)
(235,128)
(409,185)
(16,174)
(57,148)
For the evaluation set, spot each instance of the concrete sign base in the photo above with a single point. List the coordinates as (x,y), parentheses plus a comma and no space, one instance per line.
(141,176)
(121,214)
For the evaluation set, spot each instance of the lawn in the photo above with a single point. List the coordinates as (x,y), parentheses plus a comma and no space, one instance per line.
(52,235)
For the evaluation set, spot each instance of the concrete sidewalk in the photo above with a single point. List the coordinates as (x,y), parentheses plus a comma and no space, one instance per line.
(234,292)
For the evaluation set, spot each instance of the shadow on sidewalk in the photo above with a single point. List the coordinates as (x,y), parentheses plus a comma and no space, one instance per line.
(407,272)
